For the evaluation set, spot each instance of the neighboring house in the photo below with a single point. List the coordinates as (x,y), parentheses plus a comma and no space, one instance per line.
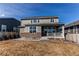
(9,28)
(72,27)
(72,31)
(42,26)
(9,24)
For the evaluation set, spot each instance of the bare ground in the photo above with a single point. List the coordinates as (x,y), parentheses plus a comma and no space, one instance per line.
(38,48)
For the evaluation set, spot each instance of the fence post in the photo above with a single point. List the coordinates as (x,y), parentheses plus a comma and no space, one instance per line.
(76,33)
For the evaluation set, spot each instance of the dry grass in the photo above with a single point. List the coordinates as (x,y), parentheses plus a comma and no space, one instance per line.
(29,48)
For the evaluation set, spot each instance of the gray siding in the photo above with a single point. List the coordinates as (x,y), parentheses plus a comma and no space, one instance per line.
(10,23)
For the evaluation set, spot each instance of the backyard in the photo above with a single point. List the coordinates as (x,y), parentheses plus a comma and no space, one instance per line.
(38,48)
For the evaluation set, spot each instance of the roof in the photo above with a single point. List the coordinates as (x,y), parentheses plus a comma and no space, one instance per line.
(40,17)
(72,24)
(9,21)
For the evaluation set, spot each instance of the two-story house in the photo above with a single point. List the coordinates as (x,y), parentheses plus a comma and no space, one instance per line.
(42,26)
(8,24)
(9,28)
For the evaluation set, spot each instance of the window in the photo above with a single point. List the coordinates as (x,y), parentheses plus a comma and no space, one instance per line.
(15,29)
(32,29)
(52,20)
(38,20)
(51,30)
(34,21)
(3,28)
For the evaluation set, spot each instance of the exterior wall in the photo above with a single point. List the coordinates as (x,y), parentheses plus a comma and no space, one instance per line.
(24,32)
(24,22)
(44,21)
(31,35)
(26,29)
(41,21)
(38,29)
(21,31)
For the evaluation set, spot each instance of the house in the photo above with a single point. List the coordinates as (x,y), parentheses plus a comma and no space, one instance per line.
(42,26)
(8,26)
(72,31)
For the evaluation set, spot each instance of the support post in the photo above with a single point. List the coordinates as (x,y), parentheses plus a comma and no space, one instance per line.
(63,31)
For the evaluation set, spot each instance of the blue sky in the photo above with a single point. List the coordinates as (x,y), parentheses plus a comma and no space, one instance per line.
(66,12)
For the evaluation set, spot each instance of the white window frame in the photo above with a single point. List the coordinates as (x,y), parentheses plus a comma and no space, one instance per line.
(3,28)
(32,29)
(52,20)
(35,21)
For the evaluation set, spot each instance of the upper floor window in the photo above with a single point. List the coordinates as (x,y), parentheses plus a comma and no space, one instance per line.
(52,20)
(34,21)
(38,20)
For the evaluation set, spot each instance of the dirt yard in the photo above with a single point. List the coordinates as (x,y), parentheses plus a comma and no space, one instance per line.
(37,48)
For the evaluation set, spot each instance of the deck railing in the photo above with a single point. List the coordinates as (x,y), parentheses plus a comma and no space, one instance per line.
(54,34)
